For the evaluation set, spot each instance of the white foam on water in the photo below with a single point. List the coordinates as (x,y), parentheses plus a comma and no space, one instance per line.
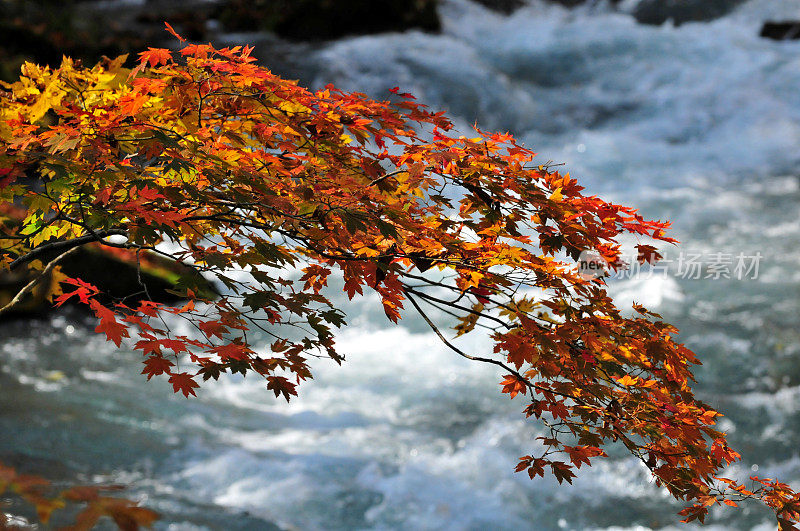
(649,292)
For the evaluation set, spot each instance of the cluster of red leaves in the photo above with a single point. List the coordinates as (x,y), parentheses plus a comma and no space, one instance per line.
(204,157)
(36,490)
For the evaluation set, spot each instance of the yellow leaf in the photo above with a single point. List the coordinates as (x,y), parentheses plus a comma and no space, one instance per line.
(51,97)
(56,277)
(44,235)
(468,322)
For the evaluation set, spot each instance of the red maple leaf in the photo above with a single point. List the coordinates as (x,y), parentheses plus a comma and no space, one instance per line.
(647,253)
(170,29)
(235,351)
(184,383)
(281,386)
(113,330)
(84,292)
(212,328)
(156,365)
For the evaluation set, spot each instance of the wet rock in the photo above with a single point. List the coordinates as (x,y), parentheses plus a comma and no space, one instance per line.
(502,6)
(781,31)
(316,20)
(42,32)
(576,3)
(114,272)
(656,12)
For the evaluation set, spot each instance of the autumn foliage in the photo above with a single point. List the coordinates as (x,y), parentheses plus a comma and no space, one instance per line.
(95,504)
(206,158)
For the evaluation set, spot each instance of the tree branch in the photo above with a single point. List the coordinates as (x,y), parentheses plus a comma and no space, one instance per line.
(532,386)
(64,245)
(29,287)
(384,177)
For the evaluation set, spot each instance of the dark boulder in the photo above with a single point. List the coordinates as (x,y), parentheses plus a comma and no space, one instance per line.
(87,29)
(115,273)
(42,32)
(314,20)
(575,3)
(509,6)
(781,31)
(502,6)
(656,12)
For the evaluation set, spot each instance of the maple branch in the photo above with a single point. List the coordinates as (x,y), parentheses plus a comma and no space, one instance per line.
(463,354)
(450,345)
(443,309)
(384,177)
(410,289)
(408,292)
(492,300)
(139,274)
(64,245)
(29,287)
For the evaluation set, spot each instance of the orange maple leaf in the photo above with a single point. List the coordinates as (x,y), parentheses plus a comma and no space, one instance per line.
(155,56)
(513,385)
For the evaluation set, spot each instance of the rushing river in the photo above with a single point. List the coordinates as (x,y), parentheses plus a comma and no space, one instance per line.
(699,124)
